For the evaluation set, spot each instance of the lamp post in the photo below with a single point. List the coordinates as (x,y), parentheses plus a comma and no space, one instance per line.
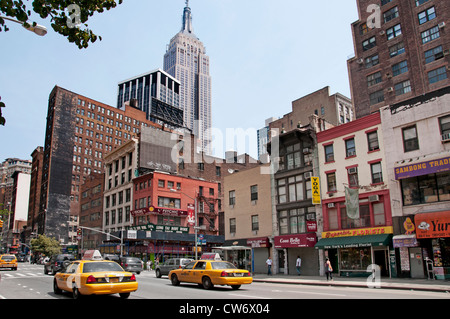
(37,29)
(195,217)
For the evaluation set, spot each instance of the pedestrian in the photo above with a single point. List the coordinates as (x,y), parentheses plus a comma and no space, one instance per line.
(269,266)
(149,265)
(298,264)
(328,269)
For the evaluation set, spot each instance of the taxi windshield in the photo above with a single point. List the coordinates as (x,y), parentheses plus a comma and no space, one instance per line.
(101,266)
(222,265)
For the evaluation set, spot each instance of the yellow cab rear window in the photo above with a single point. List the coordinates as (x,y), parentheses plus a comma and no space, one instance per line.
(8,258)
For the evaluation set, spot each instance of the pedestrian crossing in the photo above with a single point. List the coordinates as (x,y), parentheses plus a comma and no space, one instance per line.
(23,271)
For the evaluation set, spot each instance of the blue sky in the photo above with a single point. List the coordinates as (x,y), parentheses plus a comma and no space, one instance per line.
(263,54)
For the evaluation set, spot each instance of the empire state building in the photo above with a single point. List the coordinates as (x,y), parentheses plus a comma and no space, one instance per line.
(186,60)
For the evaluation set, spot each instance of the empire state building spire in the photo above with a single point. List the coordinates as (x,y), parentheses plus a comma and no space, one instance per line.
(187,20)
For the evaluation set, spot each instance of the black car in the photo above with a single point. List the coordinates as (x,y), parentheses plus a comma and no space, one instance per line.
(57,263)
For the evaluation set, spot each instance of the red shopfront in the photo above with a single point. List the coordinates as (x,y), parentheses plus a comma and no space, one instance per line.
(289,247)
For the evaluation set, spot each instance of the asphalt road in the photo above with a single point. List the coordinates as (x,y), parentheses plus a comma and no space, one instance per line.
(30,282)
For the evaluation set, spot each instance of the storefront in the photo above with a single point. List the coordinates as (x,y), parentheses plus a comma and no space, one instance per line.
(289,247)
(250,254)
(433,233)
(352,251)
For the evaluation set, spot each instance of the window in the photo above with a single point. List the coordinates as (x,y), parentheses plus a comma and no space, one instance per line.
(201,166)
(329,153)
(376,97)
(352,174)
(402,88)
(169,202)
(292,221)
(420,2)
(161,183)
(363,221)
(281,188)
(434,54)
(383,2)
(232,197)
(394,32)
(331,182)
(396,49)
(426,189)
(369,44)
(255,222)
(444,124)
(377,174)
(400,68)
(437,75)
(372,61)
(293,156)
(427,15)
(410,139)
(430,35)
(333,220)
(390,14)
(374,79)
(254,192)
(295,188)
(232,225)
(350,148)
(372,141)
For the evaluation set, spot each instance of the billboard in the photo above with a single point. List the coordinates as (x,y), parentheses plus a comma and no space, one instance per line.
(155,150)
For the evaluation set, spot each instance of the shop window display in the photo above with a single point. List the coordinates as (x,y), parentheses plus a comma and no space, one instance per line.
(355,259)
(426,189)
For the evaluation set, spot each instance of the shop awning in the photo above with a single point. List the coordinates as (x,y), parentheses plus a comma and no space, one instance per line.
(354,241)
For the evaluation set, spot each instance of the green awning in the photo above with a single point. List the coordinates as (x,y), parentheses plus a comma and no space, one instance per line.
(354,241)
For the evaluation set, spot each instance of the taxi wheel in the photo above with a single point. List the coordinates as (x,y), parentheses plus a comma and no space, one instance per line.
(236,287)
(174,280)
(76,293)
(124,295)
(56,290)
(207,284)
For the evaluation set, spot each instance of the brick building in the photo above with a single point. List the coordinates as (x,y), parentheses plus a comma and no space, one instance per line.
(80,132)
(37,158)
(401,51)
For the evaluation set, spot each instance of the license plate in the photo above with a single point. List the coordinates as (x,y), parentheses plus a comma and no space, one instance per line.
(238,274)
(113,280)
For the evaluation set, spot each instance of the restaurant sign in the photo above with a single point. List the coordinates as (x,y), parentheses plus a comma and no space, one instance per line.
(295,241)
(162,228)
(423,168)
(433,225)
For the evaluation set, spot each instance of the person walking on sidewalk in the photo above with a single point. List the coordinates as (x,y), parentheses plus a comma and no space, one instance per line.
(269,266)
(298,264)
(328,269)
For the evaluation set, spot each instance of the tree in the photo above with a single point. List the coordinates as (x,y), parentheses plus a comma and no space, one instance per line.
(2,119)
(66,16)
(45,245)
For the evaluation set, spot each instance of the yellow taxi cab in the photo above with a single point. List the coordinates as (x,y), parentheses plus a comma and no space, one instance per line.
(8,261)
(94,277)
(208,273)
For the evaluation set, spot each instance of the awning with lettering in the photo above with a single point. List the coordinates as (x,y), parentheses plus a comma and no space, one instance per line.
(354,241)
(423,166)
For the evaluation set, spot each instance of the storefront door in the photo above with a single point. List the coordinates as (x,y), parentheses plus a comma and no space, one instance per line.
(416,262)
(380,256)
(281,261)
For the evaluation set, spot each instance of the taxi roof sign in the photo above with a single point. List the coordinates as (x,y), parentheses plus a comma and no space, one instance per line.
(211,256)
(92,255)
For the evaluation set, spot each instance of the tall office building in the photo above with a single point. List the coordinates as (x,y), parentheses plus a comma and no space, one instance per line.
(186,60)
(402,50)
(157,94)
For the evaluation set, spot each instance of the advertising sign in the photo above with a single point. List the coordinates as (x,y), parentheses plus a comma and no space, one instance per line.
(433,225)
(295,241)
(159,211)
(315,183)
(191,214)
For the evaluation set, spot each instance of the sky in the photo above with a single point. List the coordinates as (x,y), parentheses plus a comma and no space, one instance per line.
(263,55)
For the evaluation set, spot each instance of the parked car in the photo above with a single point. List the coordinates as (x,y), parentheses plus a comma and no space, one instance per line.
(57,263)
(131,264)
(171,264)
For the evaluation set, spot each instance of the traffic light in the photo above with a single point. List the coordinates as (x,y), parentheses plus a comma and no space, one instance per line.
(1,223)
(79,232)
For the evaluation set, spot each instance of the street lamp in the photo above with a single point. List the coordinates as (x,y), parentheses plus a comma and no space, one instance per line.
(38,29)
(196,228)
(99,231)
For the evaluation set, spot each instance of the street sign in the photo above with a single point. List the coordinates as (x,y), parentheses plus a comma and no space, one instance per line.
(315,191)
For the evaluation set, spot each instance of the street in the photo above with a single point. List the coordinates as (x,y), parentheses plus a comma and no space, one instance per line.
(30,282)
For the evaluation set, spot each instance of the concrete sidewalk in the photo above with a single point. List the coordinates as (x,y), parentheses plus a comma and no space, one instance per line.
(386,283)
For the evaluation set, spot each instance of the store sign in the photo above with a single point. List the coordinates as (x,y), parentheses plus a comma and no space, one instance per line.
(162,228)
(258,242)
(359,232)
(315,190)
(433,225)
(424,168)
(159,211)
(295,241)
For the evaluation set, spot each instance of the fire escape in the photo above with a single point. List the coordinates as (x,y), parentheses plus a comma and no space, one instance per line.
(207,209)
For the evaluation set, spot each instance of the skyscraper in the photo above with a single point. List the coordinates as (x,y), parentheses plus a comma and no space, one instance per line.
(186,60)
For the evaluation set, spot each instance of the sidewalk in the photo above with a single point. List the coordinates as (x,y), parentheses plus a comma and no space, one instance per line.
(386,283)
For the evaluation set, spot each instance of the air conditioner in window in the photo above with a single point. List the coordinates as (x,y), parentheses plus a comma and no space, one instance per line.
(308,175)
(441,25)
(331,205)
(360,61)
(390,89)
(446,137)
(374,198)
(352,170)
